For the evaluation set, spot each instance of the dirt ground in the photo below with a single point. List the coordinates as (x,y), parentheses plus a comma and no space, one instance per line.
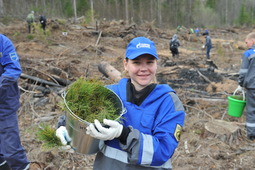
(203,86)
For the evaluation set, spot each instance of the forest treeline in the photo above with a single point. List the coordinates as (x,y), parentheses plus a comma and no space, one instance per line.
(163,13)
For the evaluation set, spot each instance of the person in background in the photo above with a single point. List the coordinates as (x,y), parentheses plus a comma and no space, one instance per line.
(191,31)
(30,20)
(174,45)
(197,32)
(206,32)
(247,80)
(43,20)
(12,154)
(208,45)
(150,130)
(178,29)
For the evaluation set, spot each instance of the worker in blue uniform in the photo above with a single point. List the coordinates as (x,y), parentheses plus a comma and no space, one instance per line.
(12,154)
(150,130)
(246,80)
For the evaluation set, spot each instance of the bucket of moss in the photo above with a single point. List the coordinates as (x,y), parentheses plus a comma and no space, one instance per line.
(84,101)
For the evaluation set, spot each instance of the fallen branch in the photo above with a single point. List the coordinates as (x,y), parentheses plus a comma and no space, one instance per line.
(38,80)
(61,81)
(204,77)
(27,91)
(98,39)
(58,57)
(43,74)
(220,100)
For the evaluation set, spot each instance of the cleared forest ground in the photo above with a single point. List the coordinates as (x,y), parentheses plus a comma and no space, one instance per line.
(202,88)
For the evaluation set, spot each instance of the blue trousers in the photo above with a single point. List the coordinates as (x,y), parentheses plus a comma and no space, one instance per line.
(11,149)
(208,51)
(250,112)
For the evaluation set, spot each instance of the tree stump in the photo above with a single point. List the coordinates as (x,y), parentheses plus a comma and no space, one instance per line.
(227,132)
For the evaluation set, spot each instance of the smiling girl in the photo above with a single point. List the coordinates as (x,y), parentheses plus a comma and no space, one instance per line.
(150,130)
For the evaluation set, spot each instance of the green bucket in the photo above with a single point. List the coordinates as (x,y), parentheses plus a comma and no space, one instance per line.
(236,105)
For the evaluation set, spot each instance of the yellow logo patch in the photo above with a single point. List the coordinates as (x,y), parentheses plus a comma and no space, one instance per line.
(177,132)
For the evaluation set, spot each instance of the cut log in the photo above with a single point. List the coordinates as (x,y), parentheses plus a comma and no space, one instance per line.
(109,71)
(227,132)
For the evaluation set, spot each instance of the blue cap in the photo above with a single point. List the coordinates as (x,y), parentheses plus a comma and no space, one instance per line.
(139,46)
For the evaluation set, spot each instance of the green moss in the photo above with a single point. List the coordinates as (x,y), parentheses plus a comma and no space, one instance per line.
(90,100)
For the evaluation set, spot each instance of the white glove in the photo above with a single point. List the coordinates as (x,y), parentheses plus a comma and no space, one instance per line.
(63,135)
(203,46)
(239,88)
(98,131)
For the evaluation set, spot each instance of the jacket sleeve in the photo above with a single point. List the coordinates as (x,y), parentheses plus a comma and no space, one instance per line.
(243,69)
(157,148)
(206,42)
(9,63)
(178,42)
(61,121)
(10,59)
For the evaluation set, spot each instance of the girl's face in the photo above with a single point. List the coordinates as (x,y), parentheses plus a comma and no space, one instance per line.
(141,70)
(249,42)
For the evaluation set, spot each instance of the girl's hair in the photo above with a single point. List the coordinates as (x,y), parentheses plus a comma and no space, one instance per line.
(251,35)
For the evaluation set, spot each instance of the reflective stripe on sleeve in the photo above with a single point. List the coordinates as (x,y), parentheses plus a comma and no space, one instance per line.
(148,150)
(250,124)
(115,154)
(3,163)
(242,71)
(252,55)
(122,156)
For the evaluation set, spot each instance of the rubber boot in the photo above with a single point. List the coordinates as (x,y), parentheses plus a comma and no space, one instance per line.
(5,166)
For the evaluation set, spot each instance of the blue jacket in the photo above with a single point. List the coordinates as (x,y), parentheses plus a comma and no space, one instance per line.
(247,70)
(155,129)
(10,71)
(208,42)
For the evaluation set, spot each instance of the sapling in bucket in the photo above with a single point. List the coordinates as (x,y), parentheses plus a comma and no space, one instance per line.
(85,101)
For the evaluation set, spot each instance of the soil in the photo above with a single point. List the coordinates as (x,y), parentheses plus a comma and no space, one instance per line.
(202,85)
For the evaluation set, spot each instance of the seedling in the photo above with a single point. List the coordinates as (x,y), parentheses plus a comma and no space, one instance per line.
(46,134)
(89,100)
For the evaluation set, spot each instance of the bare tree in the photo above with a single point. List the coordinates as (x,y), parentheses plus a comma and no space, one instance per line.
(159,12)
(226,12)
(1,7)
(92,10)
(75,10)
(151,9)
(126,11)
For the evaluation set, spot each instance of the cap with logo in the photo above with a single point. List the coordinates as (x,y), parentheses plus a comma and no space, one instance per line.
(139,46)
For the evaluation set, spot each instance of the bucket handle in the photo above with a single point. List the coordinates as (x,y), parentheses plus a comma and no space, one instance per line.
(239,90)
